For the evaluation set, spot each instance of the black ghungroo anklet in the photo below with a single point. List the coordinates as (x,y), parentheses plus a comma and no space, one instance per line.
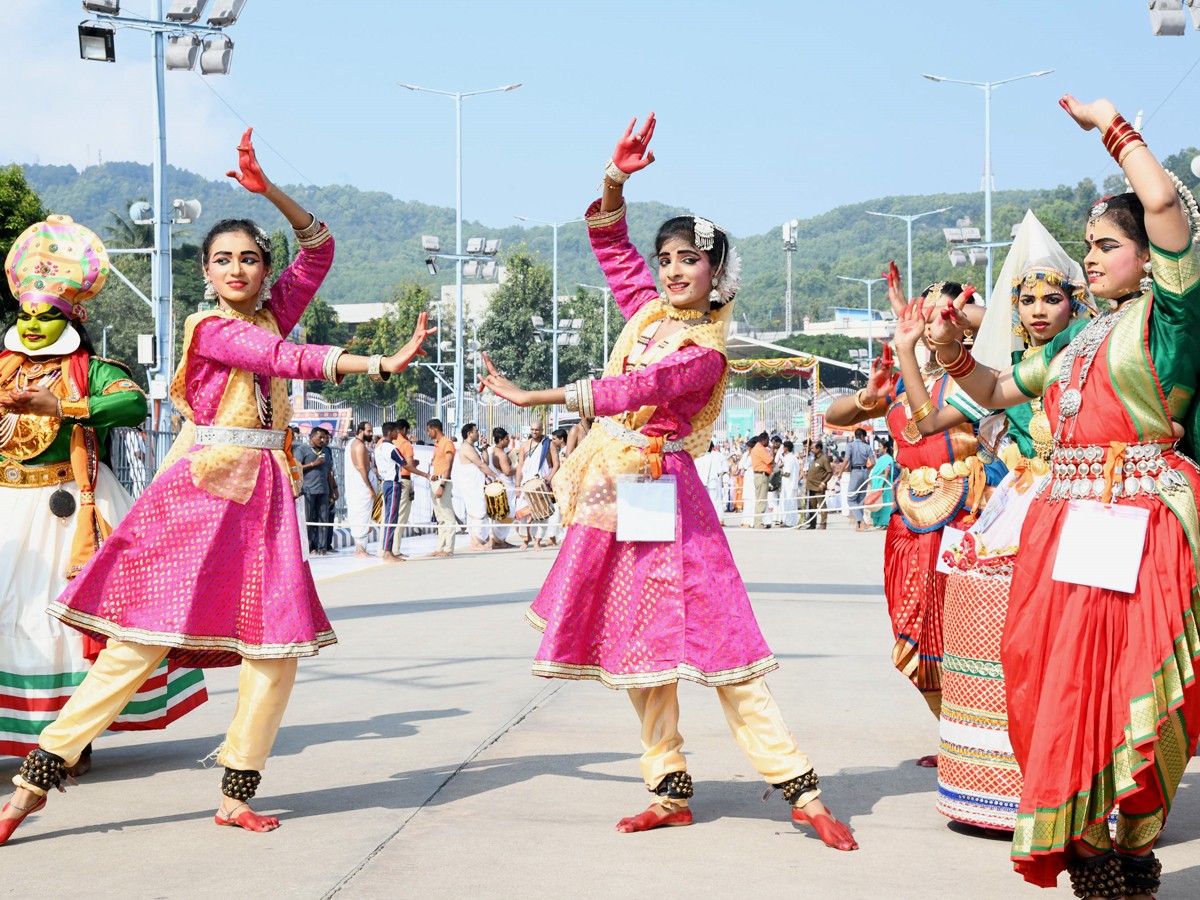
(801,784)
(676,785)
(1143,874)
(239,785)
(1099,876)
(44,770)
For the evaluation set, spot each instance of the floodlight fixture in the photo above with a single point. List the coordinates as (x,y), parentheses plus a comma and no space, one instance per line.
(471,268)
(182,50)
(430,243)
(186,211)
(141,213)
(1167,17)
(957,258)
(491,247)
(538,321)
(217,56)
(225,13)
(978,256)
(97,42)
(971,234)
(475,245)
(103,7)
(185,12)
(953,235)
(490,269)
(431,264)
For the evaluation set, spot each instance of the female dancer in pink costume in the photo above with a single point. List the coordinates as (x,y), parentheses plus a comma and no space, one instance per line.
(641,616)
(208,566)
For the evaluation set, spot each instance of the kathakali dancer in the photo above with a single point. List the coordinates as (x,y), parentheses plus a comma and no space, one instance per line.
(208,567)
(58,497)
(942,481)
(979,781)
(640,616)
(1100,646)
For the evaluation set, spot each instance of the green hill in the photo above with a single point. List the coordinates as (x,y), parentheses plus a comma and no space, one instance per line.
(379,236)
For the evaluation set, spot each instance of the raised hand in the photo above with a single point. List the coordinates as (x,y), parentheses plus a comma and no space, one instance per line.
(400,360)
(251,176)
(501,386)
(910,325)
(1097,114)
(883,377)
(633,153)
(949,323)
(895,291)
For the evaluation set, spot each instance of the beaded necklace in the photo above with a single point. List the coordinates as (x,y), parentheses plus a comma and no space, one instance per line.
(1086,343)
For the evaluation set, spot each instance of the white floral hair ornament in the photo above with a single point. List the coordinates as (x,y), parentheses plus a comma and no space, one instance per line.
(731,278)
(1189,206)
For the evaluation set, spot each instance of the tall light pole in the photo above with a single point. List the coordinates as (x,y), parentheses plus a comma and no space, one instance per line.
(554,289)
(986,87)
(908,220)
(789,245)
(458,218)
(606,292)
(188,44)
(870,315)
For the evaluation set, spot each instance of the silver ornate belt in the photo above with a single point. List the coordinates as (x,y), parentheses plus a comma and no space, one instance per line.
(636,438)
(256,438)
(1078,473)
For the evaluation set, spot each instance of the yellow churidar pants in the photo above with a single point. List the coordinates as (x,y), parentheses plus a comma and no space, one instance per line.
(753,717)
(121,668)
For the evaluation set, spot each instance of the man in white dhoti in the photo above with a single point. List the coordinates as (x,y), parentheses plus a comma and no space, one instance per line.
(473,474)
(711,467)
(537,459)
(360,496)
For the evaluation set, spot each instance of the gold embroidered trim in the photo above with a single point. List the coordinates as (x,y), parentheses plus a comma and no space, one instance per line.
(123,384)
(1175,276)
(604,219)
(76,409)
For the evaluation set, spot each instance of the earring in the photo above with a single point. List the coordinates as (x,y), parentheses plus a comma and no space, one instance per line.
(1146,283)
(210,292)
(714,296)
(1020,332)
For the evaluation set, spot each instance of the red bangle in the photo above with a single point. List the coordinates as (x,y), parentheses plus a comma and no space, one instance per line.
(1114,126)
(1132,142)
(1116,131)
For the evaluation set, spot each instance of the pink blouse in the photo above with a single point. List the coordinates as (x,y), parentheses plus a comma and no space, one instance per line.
(680,384)
(220,345)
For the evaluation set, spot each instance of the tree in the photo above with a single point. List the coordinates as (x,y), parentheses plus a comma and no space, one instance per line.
(507,331)
(20,207)
(386,335)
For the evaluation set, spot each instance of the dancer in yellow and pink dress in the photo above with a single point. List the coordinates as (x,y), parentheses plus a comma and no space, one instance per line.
(640,616)
(208,567)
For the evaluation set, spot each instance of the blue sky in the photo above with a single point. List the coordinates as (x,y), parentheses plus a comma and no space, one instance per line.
(767,110)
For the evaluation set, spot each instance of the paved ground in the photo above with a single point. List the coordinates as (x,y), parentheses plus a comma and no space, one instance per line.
(419,758)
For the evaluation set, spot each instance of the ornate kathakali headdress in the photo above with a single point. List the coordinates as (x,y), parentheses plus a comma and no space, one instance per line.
(58,262)
(1035,262)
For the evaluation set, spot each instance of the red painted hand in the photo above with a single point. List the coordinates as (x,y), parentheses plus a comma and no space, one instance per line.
(251,176)
(633,153)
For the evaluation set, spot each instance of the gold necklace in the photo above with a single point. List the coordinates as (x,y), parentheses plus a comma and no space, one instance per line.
(684,315)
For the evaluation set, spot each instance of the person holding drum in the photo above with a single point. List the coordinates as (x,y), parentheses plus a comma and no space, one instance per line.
(537,463)
(641,615)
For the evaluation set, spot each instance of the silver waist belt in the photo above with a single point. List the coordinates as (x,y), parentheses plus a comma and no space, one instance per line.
(256,438)
(636,438)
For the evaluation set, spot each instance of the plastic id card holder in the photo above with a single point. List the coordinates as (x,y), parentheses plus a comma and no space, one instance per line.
(302,526)
(645,508)
(951,538)
(1101,546)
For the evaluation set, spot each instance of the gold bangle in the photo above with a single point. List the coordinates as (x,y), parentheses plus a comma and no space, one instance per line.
(945,365)
(923,411)
(571,397)
(1125,154)
(374,371)
(858,401)
(614,175)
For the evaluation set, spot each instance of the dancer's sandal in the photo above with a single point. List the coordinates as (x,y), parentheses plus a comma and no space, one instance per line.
(8,826)
(673,786)
(928,762)
(249,820)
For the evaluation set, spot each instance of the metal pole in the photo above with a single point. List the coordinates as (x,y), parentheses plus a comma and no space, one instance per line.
(439,362)
(870,324)
(908,220)
(160,271)
(458,264)
(787,310)
(987,183)
(554,351)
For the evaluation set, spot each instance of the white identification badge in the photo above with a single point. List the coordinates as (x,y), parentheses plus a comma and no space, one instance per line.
(1101,546)
(645,508)
(951,538)
(302,527)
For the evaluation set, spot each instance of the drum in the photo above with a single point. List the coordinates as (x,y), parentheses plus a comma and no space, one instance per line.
(537,495)
(495,495)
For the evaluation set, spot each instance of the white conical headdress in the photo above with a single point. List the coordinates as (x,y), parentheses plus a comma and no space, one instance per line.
(1034,255)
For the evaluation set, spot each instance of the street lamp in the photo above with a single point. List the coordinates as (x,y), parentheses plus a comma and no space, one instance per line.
(458,244)
(97,42)
(790,234)
(554,288)
(606,292)
(870,314)
(908,220)
(986,87)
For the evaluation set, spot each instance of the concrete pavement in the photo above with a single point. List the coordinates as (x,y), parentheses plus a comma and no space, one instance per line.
(419,758)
